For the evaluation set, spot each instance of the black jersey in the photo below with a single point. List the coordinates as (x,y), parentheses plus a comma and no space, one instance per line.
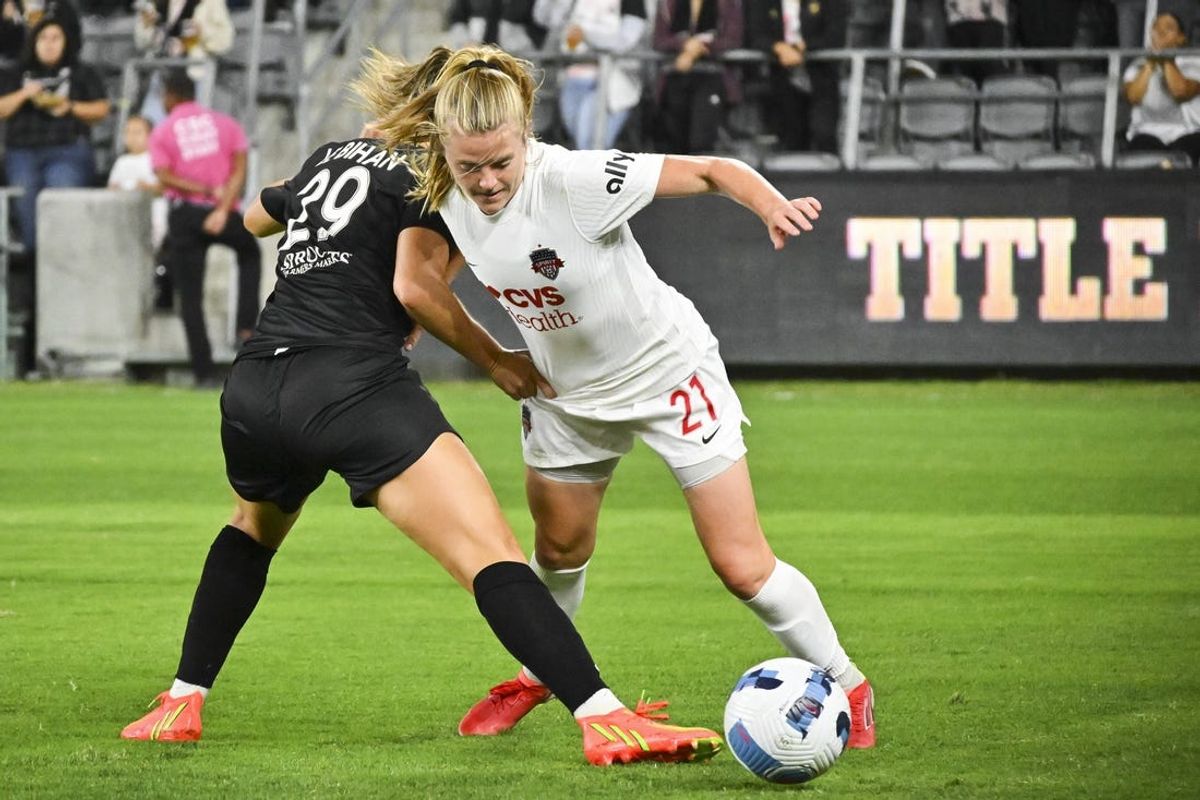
(337,256)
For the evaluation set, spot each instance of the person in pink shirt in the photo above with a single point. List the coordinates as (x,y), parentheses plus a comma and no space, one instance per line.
(199,156)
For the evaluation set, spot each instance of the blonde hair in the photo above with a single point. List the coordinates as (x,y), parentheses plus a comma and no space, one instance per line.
(468,91)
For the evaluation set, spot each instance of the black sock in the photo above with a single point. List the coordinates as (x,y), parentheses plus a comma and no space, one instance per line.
(234,575)
(536,631)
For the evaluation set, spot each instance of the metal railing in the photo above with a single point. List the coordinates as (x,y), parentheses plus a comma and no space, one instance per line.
(894,60)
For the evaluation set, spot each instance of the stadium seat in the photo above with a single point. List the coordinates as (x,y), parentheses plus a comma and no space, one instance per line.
(1016,116)
(1153,159)
(1058,161)
(870,121)
(107,44)
(937,118)
(1081,113)
(973,162)
(279,58)
(801,162)
(891,162)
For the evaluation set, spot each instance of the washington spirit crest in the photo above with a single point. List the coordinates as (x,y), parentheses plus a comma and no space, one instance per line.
(546,262)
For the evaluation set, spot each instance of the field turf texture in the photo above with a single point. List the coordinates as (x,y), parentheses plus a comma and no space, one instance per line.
(1015,565)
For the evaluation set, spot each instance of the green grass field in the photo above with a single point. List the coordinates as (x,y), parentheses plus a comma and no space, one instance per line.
(1016,566)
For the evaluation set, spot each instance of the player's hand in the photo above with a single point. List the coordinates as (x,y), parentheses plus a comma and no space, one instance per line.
(513,371)
(413,337)
(214,223)
(790,218)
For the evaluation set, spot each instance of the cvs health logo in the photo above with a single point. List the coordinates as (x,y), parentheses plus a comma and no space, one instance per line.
(540,297)
(530,301)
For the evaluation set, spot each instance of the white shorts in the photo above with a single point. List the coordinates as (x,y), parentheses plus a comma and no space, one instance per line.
(699,419)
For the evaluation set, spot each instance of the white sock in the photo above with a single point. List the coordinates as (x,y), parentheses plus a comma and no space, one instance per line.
(602,702)
(788,604)
(181,689)
(566,587)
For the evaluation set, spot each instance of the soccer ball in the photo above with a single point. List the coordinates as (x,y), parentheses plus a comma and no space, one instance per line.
(787,721)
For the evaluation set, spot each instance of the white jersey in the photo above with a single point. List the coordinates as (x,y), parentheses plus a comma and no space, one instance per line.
(602,328)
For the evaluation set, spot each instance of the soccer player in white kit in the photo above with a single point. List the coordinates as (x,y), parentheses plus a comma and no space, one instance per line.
(546,231)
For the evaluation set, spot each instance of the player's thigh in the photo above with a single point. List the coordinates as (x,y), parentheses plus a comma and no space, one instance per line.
(362,414)
(569,457)
(565,506)
(726,520)
(444,503)
(696,428)
(258,464)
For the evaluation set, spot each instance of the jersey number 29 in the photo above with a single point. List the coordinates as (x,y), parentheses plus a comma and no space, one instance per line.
(336,214)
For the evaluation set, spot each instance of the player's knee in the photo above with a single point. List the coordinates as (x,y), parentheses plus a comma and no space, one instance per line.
(742,577)
(262,528)
(559,555)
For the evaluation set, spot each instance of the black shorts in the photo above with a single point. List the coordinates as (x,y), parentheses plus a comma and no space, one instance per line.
(287,420)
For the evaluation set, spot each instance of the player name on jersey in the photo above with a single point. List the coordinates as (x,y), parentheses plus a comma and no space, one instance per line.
(364,153)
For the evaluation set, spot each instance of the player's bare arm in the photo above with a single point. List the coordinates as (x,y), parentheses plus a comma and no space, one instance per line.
(424,269)
(685,176)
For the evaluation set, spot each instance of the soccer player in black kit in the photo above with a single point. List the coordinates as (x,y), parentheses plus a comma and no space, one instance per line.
(324,385)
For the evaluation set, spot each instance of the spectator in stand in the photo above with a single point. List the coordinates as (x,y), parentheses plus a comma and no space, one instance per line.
(199,156)
(977,24)
(194,29)
(695,89)
(504,23)
(134,172)
(616,26)
(805,101)
(1165,94)
(49,102)
(17,17)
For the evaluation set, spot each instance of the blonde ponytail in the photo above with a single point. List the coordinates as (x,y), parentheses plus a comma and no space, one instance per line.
(471,90)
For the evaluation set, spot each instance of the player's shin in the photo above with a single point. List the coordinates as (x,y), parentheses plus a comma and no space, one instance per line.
(231,583)
(566,587)
(523,615)
(788,604)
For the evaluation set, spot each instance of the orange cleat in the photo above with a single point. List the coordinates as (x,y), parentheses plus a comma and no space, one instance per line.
(176,719)
(505,705)
(862,716)
(625,736)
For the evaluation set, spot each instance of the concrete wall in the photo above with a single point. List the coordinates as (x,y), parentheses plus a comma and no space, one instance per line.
(95,292)
(94,276)
(95,284)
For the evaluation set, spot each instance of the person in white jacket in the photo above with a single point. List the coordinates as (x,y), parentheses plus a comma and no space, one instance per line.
(195,29)
(615,26)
